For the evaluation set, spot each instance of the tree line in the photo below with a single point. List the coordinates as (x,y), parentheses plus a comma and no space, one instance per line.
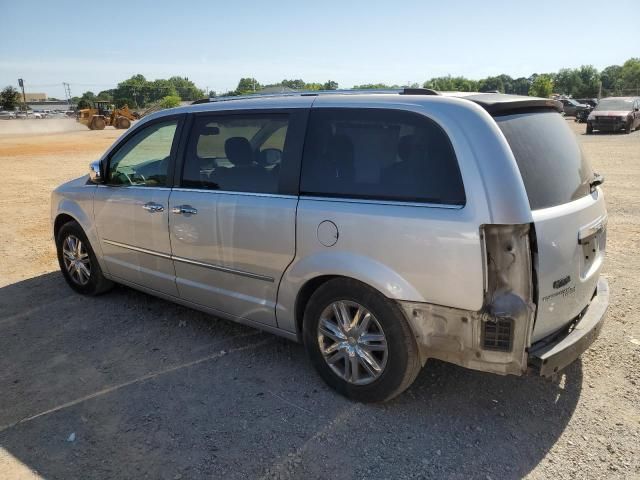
(138,92)
(585,81)
(582,82)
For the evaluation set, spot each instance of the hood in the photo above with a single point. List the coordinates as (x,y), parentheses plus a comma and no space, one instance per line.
(609,113)
(75,183)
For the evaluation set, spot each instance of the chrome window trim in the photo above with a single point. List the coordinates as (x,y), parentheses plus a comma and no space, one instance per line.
(137,249)
(400,203)
(188,261)
(134,187)
(219,268)
(231,192)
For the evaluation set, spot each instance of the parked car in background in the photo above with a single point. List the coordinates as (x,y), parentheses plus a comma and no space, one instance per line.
(380,230)
(592,102)
(572,108)
(614,114)
(5,115)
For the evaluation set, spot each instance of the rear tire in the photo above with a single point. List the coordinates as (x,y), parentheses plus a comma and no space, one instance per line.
(382,350)
(78,262)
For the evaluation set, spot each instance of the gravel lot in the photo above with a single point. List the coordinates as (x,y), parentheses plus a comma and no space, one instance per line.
(129,386)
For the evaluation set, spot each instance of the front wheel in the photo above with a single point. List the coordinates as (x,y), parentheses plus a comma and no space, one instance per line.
(589,129)
(628,128)
(78,261)
(359,341)
(97,123)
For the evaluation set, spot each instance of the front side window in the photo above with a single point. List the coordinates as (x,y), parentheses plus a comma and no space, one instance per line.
(238,153)
(144,159)
(379,154)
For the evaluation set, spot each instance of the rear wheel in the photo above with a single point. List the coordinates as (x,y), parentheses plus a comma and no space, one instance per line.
(78,262)
(359,341)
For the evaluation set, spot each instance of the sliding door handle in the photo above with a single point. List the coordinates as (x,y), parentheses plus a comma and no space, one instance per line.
(184,210)
(153,207)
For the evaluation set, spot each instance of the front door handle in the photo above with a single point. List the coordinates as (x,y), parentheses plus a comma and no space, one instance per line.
(184,210)
(153,207)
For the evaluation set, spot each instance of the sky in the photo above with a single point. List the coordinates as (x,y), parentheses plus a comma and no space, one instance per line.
(94,45)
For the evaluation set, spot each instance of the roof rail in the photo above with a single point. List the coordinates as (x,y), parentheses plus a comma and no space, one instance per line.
(418,91)
(314,93)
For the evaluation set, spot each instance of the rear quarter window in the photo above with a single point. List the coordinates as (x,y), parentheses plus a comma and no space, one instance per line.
(379,154)
(553,168)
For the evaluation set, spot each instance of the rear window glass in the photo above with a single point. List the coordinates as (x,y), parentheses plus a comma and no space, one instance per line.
(379,154)
(552,165)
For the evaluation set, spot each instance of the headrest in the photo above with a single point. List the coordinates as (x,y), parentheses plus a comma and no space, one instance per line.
(405,146)
(341,148)
(238,151)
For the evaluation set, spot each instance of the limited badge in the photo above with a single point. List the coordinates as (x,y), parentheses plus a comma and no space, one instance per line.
(562,282)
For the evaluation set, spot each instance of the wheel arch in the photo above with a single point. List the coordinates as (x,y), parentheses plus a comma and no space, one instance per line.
(73,210)
(306,275)
(304,294)
(60,220)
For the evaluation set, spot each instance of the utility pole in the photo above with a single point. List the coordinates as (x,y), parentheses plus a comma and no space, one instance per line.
(24,97)
(67,93)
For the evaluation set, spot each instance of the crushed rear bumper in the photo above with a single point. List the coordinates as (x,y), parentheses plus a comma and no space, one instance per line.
(548,357)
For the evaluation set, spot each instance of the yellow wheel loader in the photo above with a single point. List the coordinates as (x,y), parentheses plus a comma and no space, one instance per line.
(103,114)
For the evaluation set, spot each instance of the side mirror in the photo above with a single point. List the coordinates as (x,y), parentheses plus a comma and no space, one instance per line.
(95,172)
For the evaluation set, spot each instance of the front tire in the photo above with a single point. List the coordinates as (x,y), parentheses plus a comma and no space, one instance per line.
(78,262)
(589,129)
(98,123)
(122,123)
(359,341)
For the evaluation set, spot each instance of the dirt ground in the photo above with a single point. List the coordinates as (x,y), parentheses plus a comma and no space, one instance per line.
(129,386)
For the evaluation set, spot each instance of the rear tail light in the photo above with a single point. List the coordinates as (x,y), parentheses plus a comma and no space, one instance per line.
(508,306)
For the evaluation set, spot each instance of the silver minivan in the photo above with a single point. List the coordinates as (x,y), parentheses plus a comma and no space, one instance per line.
(380,229)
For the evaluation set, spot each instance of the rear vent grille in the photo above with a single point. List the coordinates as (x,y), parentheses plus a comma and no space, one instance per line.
(496,335)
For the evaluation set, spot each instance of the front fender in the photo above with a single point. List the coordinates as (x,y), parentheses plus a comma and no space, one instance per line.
(75,199)
(339,263)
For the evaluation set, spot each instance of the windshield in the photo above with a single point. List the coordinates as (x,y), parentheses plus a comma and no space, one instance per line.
(615,104)
(551,163)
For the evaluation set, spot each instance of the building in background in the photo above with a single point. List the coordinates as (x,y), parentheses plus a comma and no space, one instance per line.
(35,97)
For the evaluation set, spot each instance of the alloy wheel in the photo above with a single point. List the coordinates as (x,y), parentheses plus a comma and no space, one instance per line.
(352,342)
(76,260)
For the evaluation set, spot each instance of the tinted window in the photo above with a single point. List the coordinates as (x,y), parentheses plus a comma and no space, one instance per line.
(144,159)
(236,152)
(379,154)
(551,163)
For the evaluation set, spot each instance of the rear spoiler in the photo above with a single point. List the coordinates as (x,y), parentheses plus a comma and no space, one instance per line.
(500,104)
